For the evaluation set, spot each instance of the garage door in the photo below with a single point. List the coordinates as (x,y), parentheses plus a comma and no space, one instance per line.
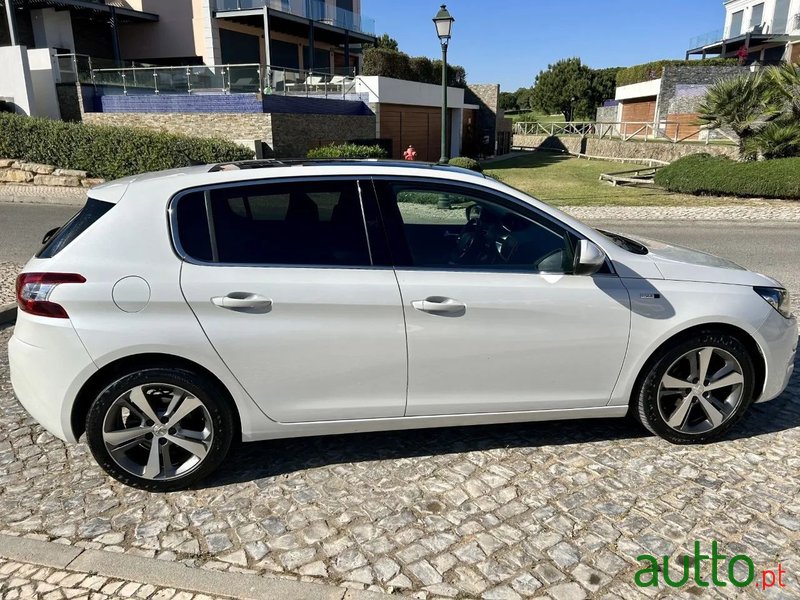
(412,125)
(636,112)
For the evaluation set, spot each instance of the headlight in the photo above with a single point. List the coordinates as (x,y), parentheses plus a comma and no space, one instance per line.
(778,298)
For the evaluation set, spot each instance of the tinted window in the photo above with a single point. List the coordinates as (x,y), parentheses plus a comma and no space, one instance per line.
(477,231)
(302,223)
(88,215)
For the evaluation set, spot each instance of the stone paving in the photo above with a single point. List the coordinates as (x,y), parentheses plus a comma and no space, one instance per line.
(8,275)
(20,581)
(558,510)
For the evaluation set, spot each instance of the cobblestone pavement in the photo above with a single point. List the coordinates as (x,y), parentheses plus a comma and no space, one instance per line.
(746,210)
(43,194)
(24,580)
(8,275)
(557,510)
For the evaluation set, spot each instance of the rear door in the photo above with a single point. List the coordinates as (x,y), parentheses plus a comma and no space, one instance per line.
(291,283)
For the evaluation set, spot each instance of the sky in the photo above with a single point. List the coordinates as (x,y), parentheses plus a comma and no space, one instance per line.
(510,41)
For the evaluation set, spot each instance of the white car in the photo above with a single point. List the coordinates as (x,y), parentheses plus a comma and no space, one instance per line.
(180,311)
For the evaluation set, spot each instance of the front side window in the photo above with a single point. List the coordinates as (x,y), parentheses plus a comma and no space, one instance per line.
(475,231)
(291,223)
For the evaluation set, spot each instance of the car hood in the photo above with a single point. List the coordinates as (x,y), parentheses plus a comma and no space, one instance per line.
(678,263)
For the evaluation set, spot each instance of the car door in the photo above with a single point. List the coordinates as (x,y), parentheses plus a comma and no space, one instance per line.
(495,320)
(288,285)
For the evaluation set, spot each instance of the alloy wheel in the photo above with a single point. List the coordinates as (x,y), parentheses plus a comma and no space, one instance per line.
(701,390)
(158,431)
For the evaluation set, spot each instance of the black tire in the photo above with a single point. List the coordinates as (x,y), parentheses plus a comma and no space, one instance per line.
(644,405)
(216,405)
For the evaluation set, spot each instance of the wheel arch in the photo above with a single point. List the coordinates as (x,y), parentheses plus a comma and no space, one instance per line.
(128,364)
(753,348)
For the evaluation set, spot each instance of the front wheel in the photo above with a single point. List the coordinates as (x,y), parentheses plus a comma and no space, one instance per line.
(697,390)
(160,429)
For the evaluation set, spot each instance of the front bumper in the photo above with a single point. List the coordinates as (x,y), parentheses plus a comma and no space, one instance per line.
(780,351)
(48,366)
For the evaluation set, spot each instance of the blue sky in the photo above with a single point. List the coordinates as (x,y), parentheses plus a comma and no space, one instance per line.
(510,41)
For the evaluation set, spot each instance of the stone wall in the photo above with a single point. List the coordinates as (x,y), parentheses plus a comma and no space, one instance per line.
(664,151)
(690,76)
(20,172)
(294,135)
(491,118)
(230,126)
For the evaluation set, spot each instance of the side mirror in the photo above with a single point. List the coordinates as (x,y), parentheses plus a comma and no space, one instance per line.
(589,258)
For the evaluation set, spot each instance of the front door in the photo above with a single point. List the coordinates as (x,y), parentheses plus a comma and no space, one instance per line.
(288,290)
(495,321)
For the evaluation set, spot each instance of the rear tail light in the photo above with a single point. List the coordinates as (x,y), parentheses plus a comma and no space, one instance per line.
(34,289)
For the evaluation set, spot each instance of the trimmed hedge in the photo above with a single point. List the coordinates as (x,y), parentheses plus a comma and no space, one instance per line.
(347,151)
(399,65)
(466,163)
(654,70)
(720,176)
(105,151)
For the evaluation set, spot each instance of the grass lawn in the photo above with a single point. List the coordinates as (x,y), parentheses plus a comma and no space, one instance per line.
(561,180)
(540,117)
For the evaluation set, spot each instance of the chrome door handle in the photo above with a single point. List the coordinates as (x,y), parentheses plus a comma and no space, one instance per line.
(244,302)
(440,306)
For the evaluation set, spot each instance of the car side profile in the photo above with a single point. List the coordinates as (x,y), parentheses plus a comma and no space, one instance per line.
(181,311)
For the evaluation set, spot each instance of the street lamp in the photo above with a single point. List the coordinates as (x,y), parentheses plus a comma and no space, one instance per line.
(444,27)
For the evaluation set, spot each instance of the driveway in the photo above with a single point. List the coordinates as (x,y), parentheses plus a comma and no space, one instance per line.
(557,510)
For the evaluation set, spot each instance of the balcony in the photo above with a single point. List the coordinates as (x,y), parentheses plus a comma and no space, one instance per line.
(707,39)
(314,10)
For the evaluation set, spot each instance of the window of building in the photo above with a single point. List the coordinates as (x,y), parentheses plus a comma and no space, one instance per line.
(737,22)
(757,16)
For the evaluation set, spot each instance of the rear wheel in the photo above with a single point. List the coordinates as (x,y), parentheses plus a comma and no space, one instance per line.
(160,429)
(697,390)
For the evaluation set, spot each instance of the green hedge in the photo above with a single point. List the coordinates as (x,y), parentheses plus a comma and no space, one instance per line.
(347,151)
(108,152)
(466,163)
(654,70)
(399,65)
(720,176)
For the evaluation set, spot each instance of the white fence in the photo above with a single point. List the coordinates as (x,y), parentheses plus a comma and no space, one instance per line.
(665,131)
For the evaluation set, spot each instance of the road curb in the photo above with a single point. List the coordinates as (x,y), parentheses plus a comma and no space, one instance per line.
(8,313)
(168,574)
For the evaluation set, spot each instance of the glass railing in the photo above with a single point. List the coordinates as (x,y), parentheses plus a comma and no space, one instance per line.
(316,10)
(707,39)
(78,68)
(222,79)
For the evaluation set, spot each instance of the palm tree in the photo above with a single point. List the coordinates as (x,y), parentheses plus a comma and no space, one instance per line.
(743,104)
(787,80)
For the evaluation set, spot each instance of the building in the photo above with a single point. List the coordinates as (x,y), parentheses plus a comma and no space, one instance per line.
(311,35)
(764,31)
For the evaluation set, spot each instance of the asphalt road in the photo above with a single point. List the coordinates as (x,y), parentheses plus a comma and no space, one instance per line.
(772,248)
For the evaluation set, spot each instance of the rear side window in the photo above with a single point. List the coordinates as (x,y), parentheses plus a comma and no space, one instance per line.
(290,223)
(85,218)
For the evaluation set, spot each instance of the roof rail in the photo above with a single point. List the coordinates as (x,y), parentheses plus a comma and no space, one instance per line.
(299,162)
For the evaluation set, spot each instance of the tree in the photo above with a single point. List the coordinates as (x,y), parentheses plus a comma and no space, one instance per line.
(524,97)
(564,87)
(604,87)
(385,41)
(508,100)
(744,104)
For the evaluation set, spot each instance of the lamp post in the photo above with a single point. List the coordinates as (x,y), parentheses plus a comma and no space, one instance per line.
(444,27)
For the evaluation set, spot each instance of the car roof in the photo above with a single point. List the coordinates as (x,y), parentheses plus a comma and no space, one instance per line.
(175,180)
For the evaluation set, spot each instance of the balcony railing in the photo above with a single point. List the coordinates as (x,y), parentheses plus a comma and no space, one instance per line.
(223,79)
(316,10)
(707,38)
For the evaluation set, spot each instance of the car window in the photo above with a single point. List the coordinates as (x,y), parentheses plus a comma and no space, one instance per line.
(288,223)
(92,211)
(446,227)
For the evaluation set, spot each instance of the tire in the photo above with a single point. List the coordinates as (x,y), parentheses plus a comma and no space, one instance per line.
(121,437)
(692,414)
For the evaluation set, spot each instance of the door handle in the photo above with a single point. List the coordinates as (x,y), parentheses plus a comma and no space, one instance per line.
(244,302)
(439,305)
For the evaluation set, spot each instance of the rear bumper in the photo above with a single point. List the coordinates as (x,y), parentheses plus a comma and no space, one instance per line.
(48,366)
(780,351)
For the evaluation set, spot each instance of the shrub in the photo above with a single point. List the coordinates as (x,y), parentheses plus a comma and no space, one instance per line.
(398,65)
(466,163)
(720,176)
(776,140)
(108,152)
(654,70)
(347,151)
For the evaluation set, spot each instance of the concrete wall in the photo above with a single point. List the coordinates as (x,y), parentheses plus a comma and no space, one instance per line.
(15,82)
(618,149)
(42,69)
(294,135)
(387,90)
(170,37)
(52,29)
